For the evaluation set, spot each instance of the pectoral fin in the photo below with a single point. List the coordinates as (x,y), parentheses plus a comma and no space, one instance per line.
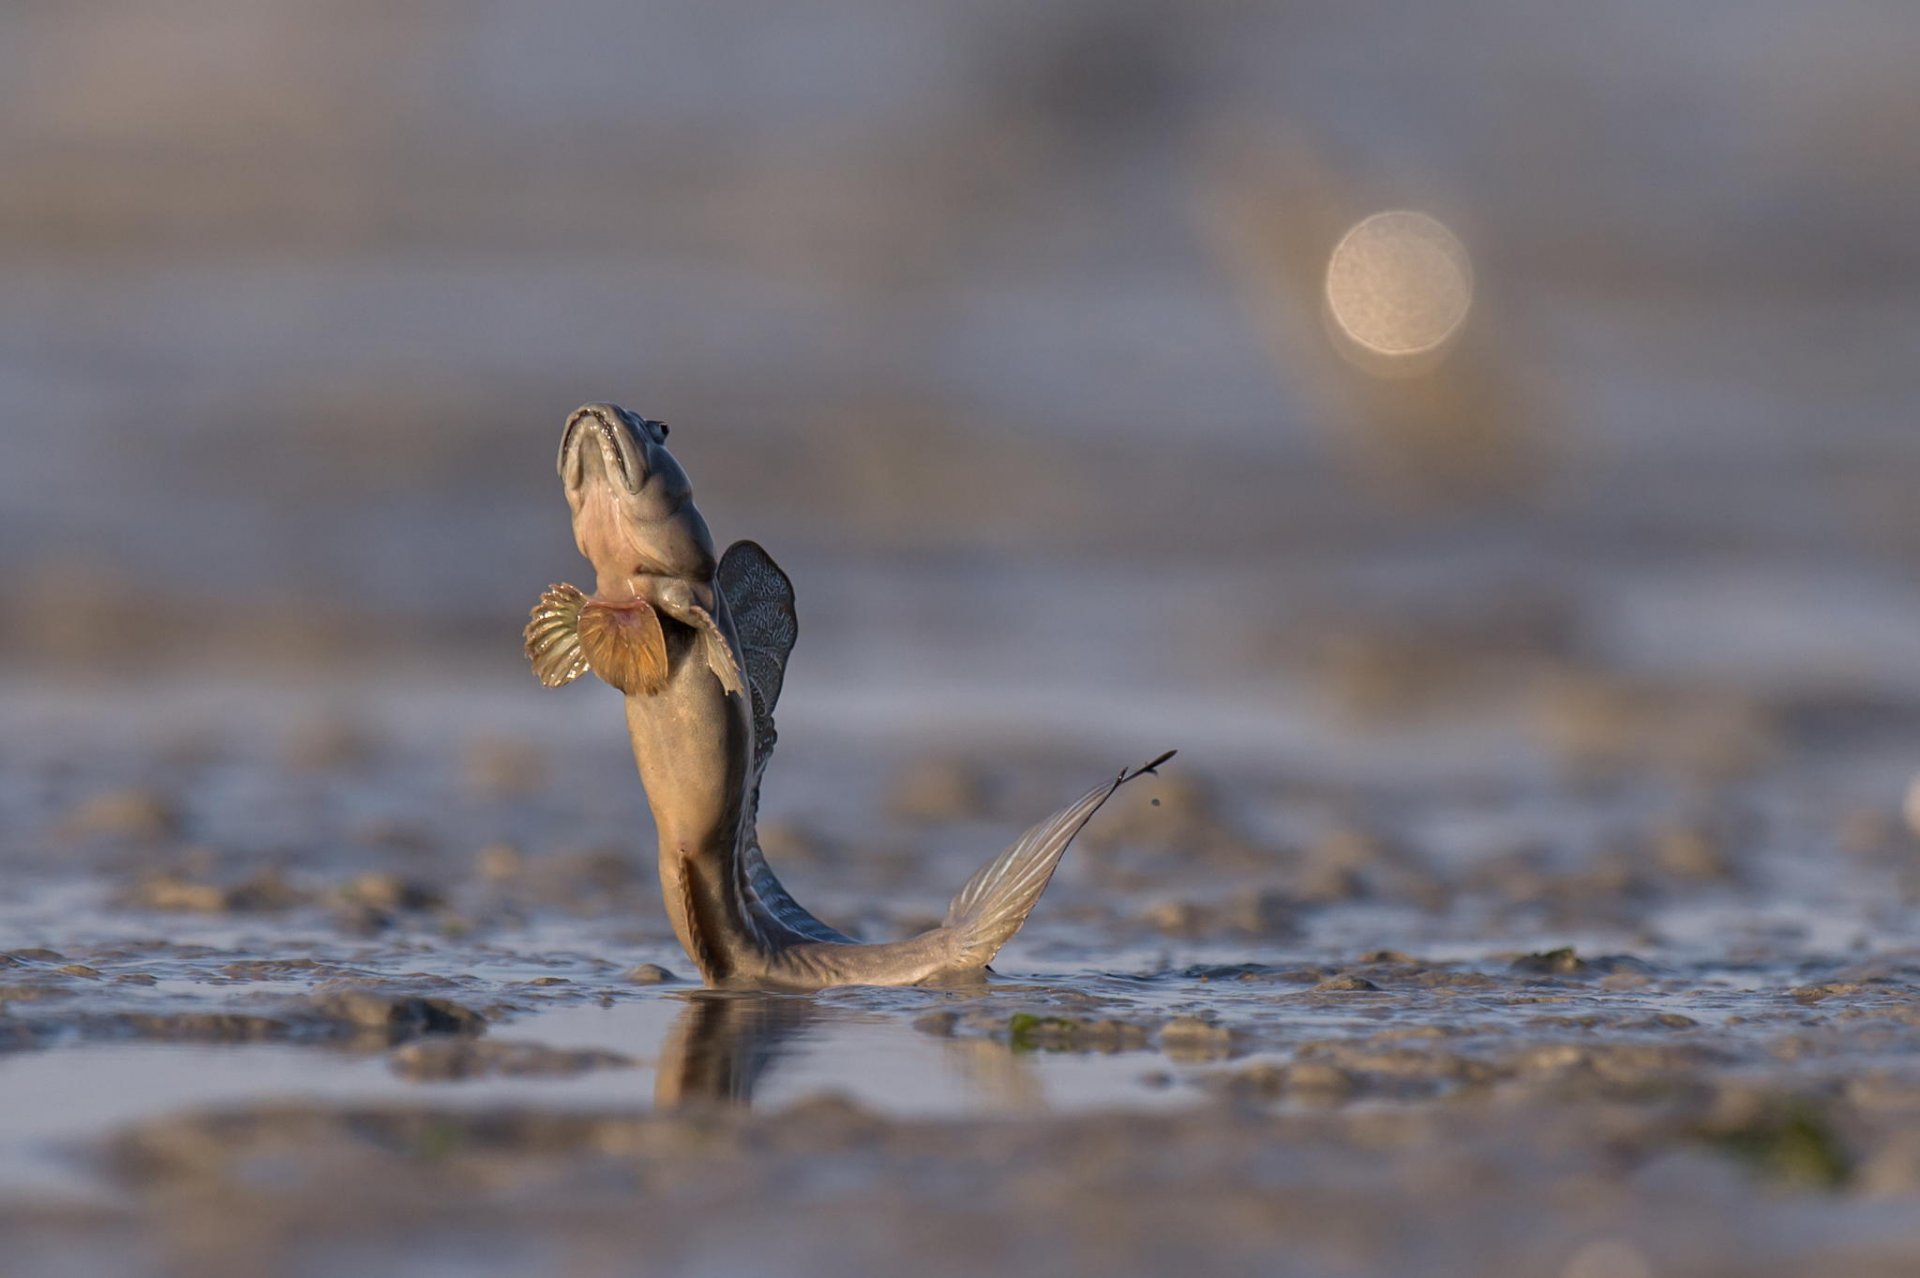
(553,636)
(625,646)
(725,666)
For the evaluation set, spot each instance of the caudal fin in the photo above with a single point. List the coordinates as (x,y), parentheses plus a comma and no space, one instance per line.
(997,900)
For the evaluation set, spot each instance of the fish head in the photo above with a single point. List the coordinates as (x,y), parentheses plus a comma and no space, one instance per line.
(632,503)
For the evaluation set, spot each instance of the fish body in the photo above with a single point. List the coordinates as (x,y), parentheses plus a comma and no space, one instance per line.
(698,645)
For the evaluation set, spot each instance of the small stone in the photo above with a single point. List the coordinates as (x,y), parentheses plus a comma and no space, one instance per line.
(649,974)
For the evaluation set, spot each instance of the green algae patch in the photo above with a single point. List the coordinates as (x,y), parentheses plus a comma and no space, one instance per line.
(1792,1144)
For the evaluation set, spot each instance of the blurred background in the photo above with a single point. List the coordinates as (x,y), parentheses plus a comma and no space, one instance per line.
(1481,437)
(1008,328)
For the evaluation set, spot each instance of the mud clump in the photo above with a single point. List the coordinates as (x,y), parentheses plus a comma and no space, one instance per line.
(203,1027)
(396,1017)
(1180,810)
(360,1018)
(1599,723)
(389,893)
(1263,914)
(503,768)
(378,900)
(274,969)
(934,792)
(1352,864)
(1306,1082)
(217,1151)
(132,814)
(1346,983)
(1791,1140)
(1692,854)
(1030,1032)
(1193,1038)
(1398,1070)
(938,1024)
(1565,962)
(445,1060)
(259,893)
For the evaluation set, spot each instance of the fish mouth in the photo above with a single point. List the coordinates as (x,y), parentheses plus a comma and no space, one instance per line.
(605,438)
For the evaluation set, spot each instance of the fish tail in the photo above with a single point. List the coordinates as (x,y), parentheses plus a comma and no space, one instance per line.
(997,900)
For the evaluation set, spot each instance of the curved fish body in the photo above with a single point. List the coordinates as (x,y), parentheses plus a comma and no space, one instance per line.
(699,645)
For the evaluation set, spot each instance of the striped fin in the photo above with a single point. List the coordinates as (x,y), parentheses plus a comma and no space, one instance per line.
(552,636)
(997,900)
(625,646)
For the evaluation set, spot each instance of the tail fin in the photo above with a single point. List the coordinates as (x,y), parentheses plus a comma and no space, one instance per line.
(997,900)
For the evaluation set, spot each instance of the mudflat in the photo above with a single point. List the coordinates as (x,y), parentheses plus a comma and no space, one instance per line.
(302,981)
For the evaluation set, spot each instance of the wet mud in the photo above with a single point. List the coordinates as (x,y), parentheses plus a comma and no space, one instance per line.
(411,1000)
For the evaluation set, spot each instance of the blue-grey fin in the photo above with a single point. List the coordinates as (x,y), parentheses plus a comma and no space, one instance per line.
(760,600)
(764,889)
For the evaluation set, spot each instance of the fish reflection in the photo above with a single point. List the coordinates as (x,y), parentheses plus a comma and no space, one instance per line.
(724,1044)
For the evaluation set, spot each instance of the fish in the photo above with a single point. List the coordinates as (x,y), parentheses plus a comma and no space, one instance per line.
(697,644)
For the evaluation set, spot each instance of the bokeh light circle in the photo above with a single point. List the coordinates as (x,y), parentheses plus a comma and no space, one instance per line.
(1399,284)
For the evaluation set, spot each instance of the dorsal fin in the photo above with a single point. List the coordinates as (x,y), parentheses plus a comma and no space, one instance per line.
(760,600)
(760,597)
